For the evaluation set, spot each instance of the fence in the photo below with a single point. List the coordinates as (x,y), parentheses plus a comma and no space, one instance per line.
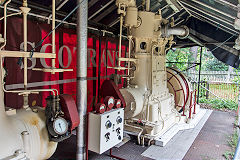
(214,76)
(223,90)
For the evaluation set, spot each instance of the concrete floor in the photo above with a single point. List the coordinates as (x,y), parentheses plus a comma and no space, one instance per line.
(211,143)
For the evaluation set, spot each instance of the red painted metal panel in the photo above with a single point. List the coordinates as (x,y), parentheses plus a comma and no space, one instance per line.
(64,48)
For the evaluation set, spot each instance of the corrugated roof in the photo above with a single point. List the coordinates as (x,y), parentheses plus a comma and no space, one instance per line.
(216,14)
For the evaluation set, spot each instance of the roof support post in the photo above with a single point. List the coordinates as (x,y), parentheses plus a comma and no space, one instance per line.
(82,24)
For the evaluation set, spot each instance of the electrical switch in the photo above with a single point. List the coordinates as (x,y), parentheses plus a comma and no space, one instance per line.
(118,130)
(107,136)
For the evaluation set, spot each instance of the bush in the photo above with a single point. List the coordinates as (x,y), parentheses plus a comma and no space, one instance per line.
(220,104)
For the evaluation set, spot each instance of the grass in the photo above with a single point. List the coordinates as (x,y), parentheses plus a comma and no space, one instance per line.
(233,140)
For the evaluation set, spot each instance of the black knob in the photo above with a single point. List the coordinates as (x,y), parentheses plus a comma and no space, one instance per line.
(119,119)
(108,124)
(119,137)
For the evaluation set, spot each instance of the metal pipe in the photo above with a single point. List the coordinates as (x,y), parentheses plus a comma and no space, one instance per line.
(226,3)
(147,5)
(214,9)
(5,25)
(57,20)
(184,7)
(190,106)
(211,15)
(53,32)
(206,18)
(102,8)
(195,98)
(190,37)
(178,31)
(59,7)
(129,55)
(25,11)
(13,14)
(82,23)
(120,41)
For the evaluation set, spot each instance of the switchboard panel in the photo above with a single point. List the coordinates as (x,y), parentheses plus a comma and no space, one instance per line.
(105,130)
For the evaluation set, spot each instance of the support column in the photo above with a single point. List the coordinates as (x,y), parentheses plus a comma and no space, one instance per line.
(199,75)
(82,20)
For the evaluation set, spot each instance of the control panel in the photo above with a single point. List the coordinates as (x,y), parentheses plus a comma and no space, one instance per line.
(105,130)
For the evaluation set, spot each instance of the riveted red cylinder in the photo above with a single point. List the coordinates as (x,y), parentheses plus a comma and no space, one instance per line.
(109,102)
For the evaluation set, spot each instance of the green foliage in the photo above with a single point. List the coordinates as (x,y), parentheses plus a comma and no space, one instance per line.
(228,155)
(220,104)
(209,62)
(237,78)
(233,144)
(233,140)
(178,55)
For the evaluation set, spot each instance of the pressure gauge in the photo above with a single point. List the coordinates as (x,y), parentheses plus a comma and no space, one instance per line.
(60,126)
(118,103)
(109,102)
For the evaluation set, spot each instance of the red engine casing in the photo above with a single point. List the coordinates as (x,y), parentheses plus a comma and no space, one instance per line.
(69,108)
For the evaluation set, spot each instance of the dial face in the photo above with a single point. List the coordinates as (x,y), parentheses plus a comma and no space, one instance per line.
(60,126)
(110,101)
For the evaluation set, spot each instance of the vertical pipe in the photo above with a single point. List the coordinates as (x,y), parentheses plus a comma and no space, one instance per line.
(99,62)
(195,98)
(25,42)
(5,24)
(199,74)
(120,41)
(53,32)
(82,20)
(129,54)
(190,107)
(147,5)
(25,11)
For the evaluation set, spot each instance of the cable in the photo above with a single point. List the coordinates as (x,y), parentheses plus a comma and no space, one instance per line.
(42,40)
(223,43)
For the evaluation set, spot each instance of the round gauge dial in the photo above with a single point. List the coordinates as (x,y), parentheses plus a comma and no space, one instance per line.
(118,103)
(60,125)
(110,101)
